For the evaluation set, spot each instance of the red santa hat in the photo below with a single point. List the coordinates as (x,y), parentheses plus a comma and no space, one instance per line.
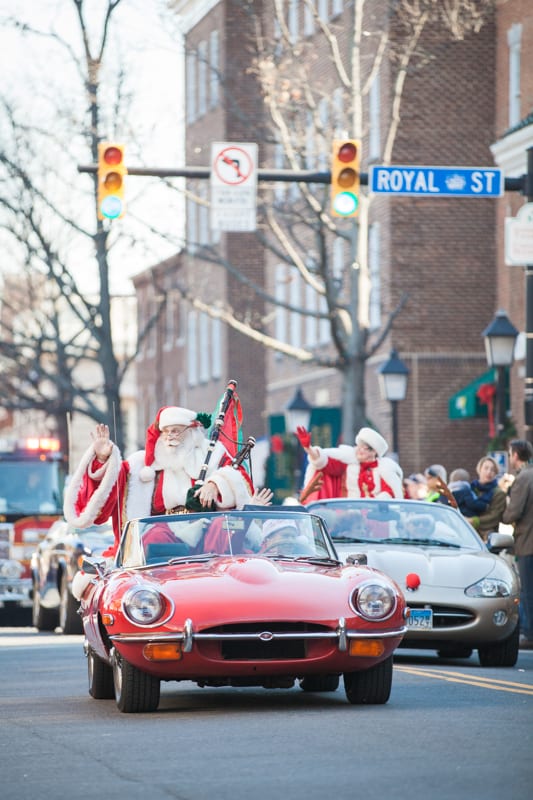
(373,439)
(166,416)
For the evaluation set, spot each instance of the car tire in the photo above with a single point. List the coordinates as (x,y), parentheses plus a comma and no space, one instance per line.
(44,619)
(100,674)
(320,683)
(135,691)
(69,619)
(501,654)
(370,687)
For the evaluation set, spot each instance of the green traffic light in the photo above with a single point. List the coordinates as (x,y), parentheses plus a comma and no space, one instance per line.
(345,204)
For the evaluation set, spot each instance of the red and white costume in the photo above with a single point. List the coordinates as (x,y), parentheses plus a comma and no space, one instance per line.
(343,475)
(154,480)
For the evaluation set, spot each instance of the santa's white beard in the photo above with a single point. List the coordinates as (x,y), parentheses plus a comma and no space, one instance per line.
(188,456)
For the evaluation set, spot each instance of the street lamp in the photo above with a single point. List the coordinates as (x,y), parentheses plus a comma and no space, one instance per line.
(500,337)
(297,414)
(393,376)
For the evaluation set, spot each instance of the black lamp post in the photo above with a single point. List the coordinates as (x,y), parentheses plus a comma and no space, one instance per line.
(393,375)
(500,337)
(297,414)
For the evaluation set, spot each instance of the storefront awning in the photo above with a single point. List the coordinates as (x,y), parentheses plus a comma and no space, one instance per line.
(465,403)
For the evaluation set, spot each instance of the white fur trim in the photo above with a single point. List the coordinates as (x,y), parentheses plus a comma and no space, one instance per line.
(139,492)
(232,487)
(343,453)
(373,439)
(146,474)
(108,474)
(174,415)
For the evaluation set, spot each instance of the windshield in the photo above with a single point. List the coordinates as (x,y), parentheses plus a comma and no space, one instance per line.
(200,536)
(396,522)
(30,487)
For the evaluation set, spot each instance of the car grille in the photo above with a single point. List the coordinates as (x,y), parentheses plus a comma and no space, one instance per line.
(447,616)
(236,649)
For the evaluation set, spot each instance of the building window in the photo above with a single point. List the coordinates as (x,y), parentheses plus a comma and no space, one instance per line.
(323,113)
(336,7)
(293,20)
(280,293)
(311,338)
(309,19)
(214,69)
(337,103)
(514,42)
(310,134)
(374,141)
(374,311)
(295,300)
(323,10)
(168,340)
(191,87)
(192,225)
(202,78)
(203,214)
(279,163)
(216,348)
(192,349)
(204,356)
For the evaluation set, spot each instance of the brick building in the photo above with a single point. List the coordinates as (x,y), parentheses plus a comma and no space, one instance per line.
(442,252)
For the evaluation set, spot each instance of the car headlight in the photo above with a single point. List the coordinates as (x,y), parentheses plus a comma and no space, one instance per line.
(143,605)
(11,569)
(488,587)
(374,600)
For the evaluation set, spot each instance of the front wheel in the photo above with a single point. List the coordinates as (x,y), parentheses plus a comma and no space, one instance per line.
(501,654)
(135,691)
(100,678)
(44,619)
(370,687)
(69,619)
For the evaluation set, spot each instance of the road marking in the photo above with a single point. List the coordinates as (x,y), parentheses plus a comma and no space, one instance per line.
(458,677)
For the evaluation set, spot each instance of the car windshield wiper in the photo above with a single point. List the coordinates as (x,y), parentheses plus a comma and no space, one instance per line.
(344,539)
(433,543)
(312,559)
(186,559)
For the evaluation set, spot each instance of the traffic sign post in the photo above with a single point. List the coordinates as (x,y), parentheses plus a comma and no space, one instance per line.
(233,186)
(416,181)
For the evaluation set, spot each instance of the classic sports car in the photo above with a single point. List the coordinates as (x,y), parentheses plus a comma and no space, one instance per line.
(53,566)
(238,598)
(462,594)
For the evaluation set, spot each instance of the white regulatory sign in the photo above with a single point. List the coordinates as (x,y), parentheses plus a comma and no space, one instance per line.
(233,186)
(519,238)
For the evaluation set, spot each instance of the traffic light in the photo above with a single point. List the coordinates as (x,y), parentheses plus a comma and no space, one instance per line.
(111,172)
(345,177)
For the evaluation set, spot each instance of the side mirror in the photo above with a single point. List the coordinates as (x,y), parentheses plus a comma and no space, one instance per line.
(94,566)
(497,542)
(357,559)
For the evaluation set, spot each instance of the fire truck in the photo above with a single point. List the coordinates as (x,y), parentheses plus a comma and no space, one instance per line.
(32,479)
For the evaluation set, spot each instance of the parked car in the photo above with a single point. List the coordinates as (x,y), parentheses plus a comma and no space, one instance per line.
(238,598)
(461,592)
(53,566)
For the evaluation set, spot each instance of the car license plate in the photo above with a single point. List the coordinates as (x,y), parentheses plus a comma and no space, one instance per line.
(420,618)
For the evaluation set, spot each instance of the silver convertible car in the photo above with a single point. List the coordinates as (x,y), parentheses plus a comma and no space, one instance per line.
(462,593)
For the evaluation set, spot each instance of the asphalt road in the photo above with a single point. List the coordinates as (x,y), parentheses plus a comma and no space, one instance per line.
(451,730)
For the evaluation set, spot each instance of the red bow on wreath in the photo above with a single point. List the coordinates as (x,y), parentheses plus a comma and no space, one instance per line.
(486,394)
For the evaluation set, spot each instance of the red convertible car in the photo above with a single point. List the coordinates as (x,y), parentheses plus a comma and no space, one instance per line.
(238,598)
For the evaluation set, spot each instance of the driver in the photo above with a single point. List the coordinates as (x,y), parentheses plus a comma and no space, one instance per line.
(283,537)
(419,526)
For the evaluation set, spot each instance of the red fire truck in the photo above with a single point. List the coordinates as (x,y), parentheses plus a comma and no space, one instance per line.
(32,478)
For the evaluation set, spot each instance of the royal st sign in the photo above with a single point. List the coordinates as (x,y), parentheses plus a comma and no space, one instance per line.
(437,181)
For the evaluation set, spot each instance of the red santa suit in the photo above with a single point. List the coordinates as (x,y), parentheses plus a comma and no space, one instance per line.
(152,481)
(343,475)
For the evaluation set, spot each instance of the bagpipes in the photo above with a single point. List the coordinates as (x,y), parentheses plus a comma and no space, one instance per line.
(192,502)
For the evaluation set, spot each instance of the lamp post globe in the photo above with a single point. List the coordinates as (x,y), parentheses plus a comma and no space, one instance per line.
(393,377)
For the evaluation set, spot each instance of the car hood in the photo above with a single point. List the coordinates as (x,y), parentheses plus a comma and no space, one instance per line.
(436,567)
(250,588)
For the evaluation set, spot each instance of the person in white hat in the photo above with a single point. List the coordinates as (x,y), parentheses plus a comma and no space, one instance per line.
(155,480)
(359,471)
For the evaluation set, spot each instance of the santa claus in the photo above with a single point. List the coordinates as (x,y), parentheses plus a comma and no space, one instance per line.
(360,471)
(155,480)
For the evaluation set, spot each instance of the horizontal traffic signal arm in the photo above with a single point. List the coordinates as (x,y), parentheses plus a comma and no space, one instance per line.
(282,175)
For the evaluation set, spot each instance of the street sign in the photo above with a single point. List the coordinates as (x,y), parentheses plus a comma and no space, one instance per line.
(519,238)
(233,186)
(437,181)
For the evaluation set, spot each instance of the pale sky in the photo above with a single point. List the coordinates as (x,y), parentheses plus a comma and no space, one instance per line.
(150,47)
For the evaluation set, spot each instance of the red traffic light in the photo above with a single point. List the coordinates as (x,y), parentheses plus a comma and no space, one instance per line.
(112,156)
(347,152)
